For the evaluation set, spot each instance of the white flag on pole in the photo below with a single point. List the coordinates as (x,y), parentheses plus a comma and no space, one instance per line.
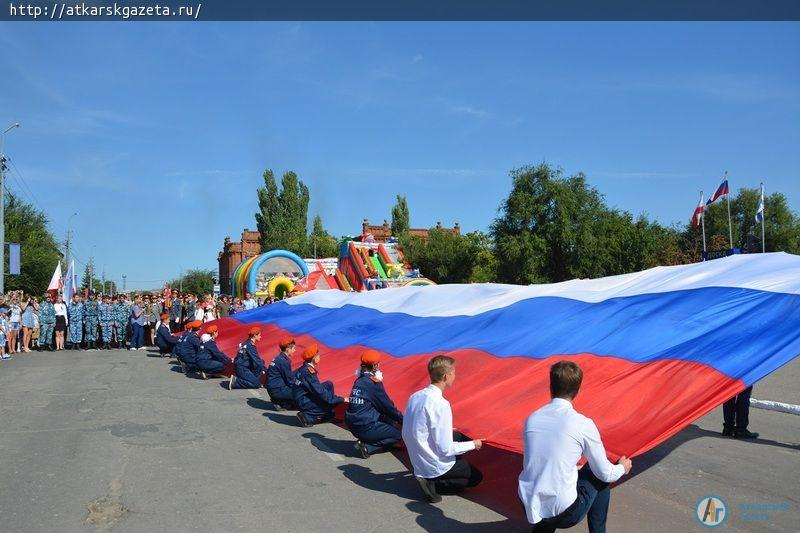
(70,283)
(55,281)
(760,210)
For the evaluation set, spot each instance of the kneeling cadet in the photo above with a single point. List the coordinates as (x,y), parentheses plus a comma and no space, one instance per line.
(248,365)
(315,401)
(211,360)
(280,378)
(372,416)
(188,347)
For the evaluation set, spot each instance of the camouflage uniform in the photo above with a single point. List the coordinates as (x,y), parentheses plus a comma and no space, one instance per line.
(106,315)
(47,324)
(121,322)
(75,313)
(91,309)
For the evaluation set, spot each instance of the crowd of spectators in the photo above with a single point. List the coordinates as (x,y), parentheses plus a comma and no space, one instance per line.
(91,320)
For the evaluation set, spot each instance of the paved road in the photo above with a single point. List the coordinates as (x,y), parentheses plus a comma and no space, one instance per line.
(100,441)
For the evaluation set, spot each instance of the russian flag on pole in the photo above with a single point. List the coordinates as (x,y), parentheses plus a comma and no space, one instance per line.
(721,191)
(658,348)
(55,282)
(699,212)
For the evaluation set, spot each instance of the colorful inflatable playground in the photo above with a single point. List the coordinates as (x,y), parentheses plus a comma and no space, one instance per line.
(362,265)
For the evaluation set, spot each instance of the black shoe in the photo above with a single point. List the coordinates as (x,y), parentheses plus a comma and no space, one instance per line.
(744,434)
(727,431)
(428,487)
(303,421)
(362,450)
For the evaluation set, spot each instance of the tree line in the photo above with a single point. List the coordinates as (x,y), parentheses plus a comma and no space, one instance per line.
(551,227)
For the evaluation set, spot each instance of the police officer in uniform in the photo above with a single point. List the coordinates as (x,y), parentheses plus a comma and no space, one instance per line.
(105,312)
(47,322)
(211,360)
(371,415)
(75,313)
(315,401)
(175,311)
(280,378)
(190,303)
(188,347)
(248,365)
(165,340)
(736,415)
(90,312)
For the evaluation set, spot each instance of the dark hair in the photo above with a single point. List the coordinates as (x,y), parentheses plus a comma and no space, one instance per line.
(565,380)
(439,366)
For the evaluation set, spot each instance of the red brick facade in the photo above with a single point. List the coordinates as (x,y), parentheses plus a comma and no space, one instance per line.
(234,253)
(382,233)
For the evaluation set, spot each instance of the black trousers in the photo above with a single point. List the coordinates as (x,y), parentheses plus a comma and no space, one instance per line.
(736,411)
(461,476)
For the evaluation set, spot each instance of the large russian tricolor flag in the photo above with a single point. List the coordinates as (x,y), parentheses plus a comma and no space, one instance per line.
(659,348)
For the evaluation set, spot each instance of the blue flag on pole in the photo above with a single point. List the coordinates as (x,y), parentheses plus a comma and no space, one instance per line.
(70,283)
(760,210)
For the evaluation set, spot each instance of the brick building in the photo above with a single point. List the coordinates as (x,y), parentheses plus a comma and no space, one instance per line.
(383,232)
(234,253)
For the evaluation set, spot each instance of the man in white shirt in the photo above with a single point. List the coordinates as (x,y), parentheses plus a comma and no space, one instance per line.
(249,302)
(432,444)
(555,494)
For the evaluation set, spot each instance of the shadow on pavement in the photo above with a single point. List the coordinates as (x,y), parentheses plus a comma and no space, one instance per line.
(401,484)
(286,420)
(432,518)
(258,403)
(327,444)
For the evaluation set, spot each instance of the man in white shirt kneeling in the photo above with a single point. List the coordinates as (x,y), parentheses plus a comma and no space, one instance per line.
(556,495)
(430,440)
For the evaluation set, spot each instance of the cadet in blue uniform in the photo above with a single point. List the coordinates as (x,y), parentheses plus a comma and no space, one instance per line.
(165,340)
(188,347)
(47,322)
(105,313)
(75,312)
(315,401)
(371,415)
(280,378)
(91,312)
(248,366)
(121,318)
(211,360)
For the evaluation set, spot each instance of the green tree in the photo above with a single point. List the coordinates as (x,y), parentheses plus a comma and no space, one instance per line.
(554,228)
(400,217)
(196,281)
(320,242)
(90,279)
(282,218)
(38,247)
(446,257)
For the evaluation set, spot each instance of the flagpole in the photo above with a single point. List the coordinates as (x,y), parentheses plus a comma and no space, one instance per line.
(703,222)
(763,221)
(728,197)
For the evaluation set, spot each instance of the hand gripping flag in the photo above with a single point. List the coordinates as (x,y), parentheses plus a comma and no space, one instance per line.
(721,191)
(658,348)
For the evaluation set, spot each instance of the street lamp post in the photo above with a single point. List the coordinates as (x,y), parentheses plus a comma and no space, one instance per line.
(3,208)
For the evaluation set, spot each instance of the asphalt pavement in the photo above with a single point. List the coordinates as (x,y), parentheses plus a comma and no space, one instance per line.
(120,440)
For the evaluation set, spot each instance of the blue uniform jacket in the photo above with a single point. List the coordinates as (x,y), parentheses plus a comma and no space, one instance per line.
(188,347)
(279,373)
(248,365)
(368,402)
(164,338)
(209,350)
(311,396)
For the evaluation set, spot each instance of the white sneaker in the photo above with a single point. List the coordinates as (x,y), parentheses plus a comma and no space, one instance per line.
(6,357)
(133,349)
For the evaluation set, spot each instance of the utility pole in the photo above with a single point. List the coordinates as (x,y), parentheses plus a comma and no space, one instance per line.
(67,246)
(124,277)
(104,280)
(3,160)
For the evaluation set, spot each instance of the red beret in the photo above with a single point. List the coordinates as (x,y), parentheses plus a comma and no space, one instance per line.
(370,357)
(194,324)
(164,316)
(212,329)
(255,330)
(286,342)
(310,352)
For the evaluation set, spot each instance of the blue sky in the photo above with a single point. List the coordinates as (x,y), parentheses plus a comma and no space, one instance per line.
(157,134)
